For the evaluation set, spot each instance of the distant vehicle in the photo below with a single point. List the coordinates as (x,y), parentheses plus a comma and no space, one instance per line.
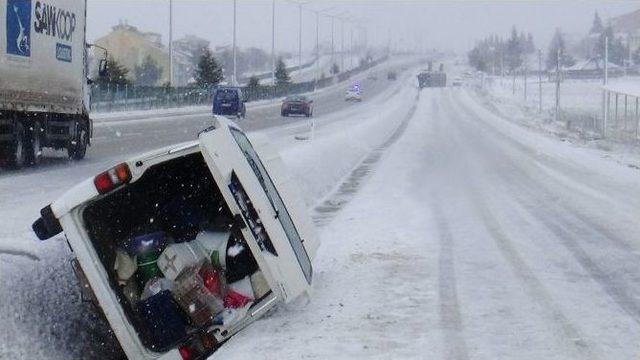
(228,100)
(230,240)
(432,79)
(44,85)
(297,104)
(457,81)
(391,75)
(353,94)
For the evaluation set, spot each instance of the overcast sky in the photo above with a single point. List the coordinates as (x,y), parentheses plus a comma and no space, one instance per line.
(446,25)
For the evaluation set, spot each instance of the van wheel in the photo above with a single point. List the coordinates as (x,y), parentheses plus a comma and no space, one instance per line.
(17,155)
(34,150)
(79,150)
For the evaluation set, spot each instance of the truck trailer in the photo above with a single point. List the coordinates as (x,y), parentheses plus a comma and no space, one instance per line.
(44,80)
(432,79)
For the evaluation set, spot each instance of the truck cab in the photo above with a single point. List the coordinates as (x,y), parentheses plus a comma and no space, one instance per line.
(178,201)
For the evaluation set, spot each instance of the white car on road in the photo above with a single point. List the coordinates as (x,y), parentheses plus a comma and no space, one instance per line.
(223,182)
(353,95)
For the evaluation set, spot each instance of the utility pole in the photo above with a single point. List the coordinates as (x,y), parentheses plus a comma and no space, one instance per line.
(170,42)
(234,77)
(557,115)
(273,41)
(605,94)
(540,80)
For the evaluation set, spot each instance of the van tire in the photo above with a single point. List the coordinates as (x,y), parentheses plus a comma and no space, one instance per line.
(17,154)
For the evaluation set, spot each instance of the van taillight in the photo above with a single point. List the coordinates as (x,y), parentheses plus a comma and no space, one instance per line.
(200,346)
(112,178)
(186,353)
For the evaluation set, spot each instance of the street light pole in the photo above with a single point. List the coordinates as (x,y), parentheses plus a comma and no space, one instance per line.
(317,46)
(332,48)
(300,38)
(341,44)
(273,41)
(170,42)
(351,48)
(234,77)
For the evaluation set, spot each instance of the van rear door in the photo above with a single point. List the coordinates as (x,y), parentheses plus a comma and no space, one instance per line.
(271,232)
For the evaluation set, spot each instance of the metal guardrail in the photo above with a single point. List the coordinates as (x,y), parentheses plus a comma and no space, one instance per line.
(127,98)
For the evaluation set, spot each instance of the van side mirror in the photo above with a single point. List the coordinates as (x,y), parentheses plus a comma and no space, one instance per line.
(103,68)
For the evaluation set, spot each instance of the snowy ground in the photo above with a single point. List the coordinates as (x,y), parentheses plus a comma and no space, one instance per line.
(581,102)
(473,238)
(449,232)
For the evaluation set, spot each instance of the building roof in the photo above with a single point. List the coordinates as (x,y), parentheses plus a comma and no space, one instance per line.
(593,63)
(627,23)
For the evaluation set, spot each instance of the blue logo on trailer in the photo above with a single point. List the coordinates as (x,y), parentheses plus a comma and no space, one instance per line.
(19,27)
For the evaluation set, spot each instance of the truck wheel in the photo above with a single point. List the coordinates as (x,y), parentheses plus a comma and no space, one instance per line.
(78,151)
(16,155)
(34,150)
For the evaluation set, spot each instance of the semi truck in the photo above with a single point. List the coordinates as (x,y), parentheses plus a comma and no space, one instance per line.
(44,80)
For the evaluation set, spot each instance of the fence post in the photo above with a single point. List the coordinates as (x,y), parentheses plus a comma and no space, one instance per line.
(540,80)
(637,119)
(625,112)
(126,96)
(525,81)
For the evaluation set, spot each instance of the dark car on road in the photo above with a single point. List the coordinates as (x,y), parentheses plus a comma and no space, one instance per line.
(297,104)
(228,100)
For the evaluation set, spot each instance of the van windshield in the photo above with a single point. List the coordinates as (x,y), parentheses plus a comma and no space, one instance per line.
(276,201)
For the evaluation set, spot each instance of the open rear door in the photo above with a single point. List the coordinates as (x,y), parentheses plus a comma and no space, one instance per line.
(248,188)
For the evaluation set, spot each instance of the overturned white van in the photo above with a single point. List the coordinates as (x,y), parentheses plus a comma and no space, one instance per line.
(183,247)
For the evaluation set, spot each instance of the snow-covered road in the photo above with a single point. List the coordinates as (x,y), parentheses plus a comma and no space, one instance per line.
(448,233)
(473,239)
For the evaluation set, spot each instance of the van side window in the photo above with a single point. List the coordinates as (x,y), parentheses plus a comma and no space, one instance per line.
(276,202)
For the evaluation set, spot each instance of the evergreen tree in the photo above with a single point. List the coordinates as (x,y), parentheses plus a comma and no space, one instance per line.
(148,73)
(636,57)
(530,46)
(117,75)
(558,44)
(208,73)
(513,51)
(597,27)
(617,49)
(282,76)
(254,82)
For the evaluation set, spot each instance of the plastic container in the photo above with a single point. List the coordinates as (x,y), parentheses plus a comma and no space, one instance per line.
(176,258)
(214,245)
(146,249)
(195,299)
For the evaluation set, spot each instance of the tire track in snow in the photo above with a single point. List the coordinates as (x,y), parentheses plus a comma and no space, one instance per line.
(327,210)
(533,285)
(571,232)
(451,323)
(450,318)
